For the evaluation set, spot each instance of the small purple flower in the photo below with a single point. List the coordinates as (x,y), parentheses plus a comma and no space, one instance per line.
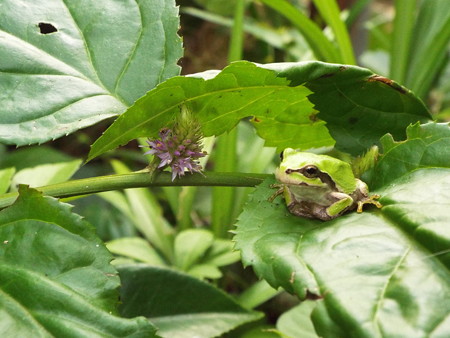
(179,149)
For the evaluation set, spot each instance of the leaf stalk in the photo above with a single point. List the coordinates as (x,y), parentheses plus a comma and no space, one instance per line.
(140,179)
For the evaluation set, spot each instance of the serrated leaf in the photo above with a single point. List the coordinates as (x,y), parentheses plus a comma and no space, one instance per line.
(426,146)
(63,284)
(357,106)
(218,100)
(66,65)
(179,305)
(371,269)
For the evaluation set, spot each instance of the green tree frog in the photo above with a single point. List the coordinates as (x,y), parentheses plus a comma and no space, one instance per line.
(320,186)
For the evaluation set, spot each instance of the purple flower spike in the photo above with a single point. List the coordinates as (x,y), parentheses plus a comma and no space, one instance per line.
(179,148)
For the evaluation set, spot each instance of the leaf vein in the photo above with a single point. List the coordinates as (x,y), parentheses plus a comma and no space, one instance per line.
(133,52)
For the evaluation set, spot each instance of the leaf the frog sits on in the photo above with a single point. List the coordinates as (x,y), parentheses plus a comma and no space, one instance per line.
(320,186)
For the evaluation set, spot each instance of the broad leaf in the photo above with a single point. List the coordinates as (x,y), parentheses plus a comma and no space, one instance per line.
(240,90)
(358,106)
(179,305)
(297,321)
(275,96)
(369,270)
(55,276)
(66,65)
(427,146)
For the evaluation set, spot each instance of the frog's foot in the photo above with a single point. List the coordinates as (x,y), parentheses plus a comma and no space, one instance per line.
(276,193)
(370,200)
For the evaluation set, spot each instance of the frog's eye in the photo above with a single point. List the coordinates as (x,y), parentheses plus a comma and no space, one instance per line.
(310,171)
(281,156)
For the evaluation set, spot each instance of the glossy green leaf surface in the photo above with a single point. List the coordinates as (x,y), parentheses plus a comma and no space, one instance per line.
(178,304)
(349,100)
(55,276)
(66,65)
(370,271)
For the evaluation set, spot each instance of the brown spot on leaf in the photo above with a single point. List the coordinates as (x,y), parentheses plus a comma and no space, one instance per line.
(313,117)
(388,82)
(256,120)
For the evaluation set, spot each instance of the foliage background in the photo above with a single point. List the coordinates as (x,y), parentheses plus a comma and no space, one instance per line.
(138,225)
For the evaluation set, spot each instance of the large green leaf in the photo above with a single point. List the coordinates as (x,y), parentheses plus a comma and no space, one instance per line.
(66,65)
(55,276)
(179,305)
(357,106)
(427,146)
(384,272)
(219,101)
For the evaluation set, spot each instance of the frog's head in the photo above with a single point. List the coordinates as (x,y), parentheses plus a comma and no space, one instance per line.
(301,168)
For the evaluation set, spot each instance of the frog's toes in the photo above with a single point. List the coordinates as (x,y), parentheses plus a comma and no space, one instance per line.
(276,193)
(370,200)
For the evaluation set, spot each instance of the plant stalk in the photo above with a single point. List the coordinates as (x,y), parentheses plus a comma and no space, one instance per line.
(140,179)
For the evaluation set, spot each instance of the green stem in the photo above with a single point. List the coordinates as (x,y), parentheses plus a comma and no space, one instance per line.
(138,180)
(237,32)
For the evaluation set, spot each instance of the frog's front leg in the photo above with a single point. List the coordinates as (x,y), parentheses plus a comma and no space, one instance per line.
(343,202)
(361,195)
(280,190)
